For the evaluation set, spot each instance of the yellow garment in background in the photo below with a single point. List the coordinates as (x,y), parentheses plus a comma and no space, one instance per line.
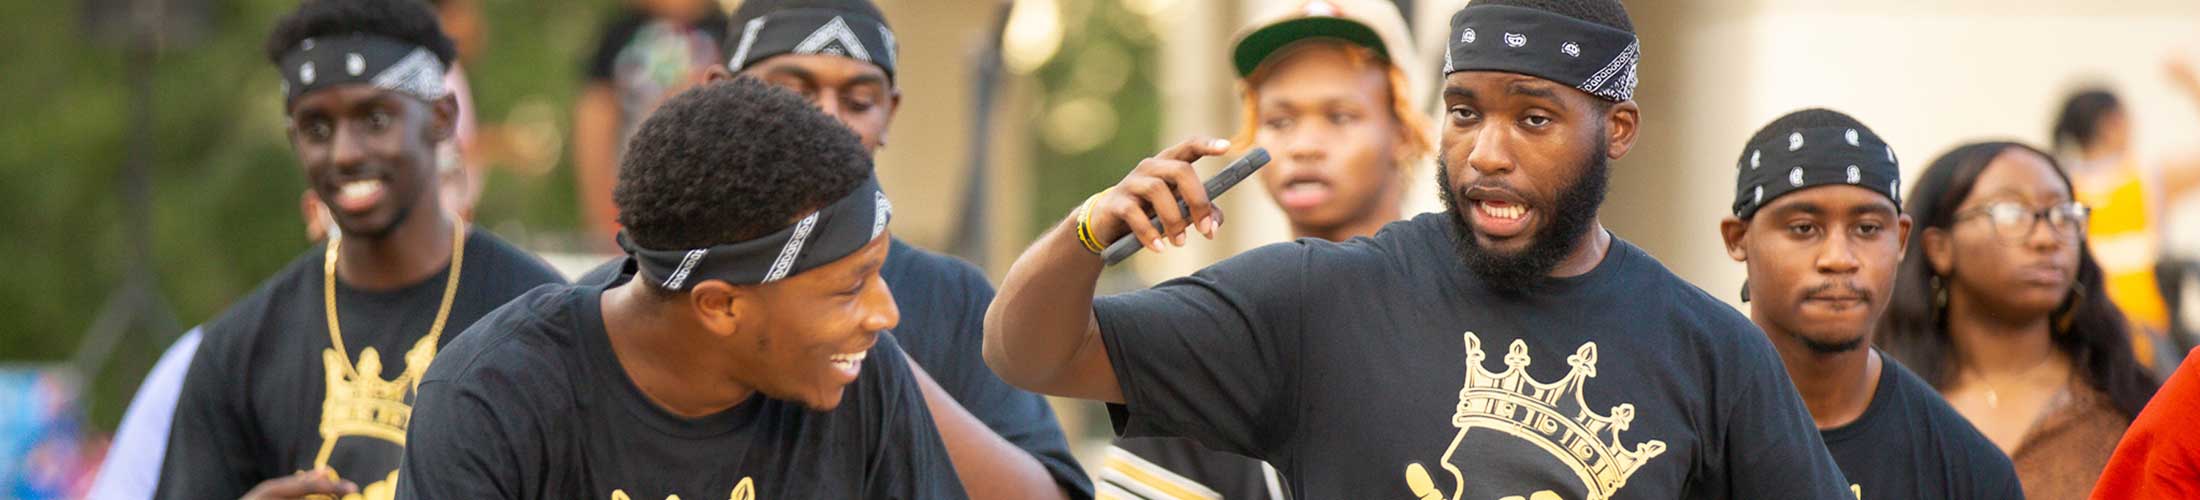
(2121,235)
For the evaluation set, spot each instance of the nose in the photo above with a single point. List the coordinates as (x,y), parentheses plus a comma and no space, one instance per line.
(348,146)
(879,312)
(2045,237)
(1306,143)
(1488,153)
(828,100)
(1836,256)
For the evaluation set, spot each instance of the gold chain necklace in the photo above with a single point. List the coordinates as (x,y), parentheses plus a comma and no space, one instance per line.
(1993,395)
(443,312)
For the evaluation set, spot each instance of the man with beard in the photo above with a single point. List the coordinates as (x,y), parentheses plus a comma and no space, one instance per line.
(316,370)
(1510,347)
(1322,85)
(1817,219)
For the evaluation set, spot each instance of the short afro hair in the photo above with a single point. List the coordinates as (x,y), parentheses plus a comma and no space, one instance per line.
(732,161)
(1606,12)
(408,21)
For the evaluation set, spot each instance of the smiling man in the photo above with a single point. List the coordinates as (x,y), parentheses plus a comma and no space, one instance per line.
(1819,223)
(747,358)
(315,370)
(841,56)
(1509,347)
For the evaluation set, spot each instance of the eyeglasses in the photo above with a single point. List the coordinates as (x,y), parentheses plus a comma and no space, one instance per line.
(2012,222)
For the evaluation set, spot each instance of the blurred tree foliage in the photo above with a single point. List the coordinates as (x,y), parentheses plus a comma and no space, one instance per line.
(1098,106)
(226,185)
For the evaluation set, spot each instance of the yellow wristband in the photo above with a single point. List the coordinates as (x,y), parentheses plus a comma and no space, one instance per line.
(1084,224)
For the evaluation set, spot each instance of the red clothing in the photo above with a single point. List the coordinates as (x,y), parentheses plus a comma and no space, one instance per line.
(2159,456)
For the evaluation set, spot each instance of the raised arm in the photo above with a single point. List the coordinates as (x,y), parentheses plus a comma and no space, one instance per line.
(1040,333)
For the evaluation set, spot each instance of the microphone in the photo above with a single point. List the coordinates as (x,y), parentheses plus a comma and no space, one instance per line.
(1238,170)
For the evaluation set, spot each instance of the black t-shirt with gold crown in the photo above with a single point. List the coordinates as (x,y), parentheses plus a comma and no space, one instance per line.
(1383,368)
(266,395)
(533,404)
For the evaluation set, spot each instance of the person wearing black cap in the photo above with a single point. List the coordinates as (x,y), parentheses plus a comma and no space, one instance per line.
(748,357)
(1509,347)
(842,57)
(1818,221)
(315,370)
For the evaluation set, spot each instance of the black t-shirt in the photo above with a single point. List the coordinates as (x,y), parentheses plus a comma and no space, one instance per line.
(1357,369)
(256,405)
(532,403)
(1910,444)
(942,301)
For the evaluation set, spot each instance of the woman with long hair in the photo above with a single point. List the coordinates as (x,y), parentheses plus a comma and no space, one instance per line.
(1999,304)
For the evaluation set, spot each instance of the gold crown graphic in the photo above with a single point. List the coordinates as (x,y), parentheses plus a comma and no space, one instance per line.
(360,403)
(1553,416)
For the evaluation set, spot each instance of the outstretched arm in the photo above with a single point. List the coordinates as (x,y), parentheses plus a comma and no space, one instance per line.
(1040,333)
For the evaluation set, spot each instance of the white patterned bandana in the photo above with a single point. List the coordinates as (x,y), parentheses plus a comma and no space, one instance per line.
(384,62)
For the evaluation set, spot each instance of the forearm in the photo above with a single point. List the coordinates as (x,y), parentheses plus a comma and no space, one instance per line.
(990,467)
(1041,324)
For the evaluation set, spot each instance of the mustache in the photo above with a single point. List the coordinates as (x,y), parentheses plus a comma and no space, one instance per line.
(1846,286)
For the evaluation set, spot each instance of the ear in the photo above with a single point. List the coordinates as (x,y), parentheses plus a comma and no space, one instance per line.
(719,307)
(1733,229)
(1902,234)
(1619,128)
(893,107)
(1939,250)
(446,118)
(717,73)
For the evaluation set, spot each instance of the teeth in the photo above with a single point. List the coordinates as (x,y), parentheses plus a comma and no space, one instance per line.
(850,358)
(361,188)
(1504,212)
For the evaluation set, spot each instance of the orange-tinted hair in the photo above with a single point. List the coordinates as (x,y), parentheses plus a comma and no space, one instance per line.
(1412,127)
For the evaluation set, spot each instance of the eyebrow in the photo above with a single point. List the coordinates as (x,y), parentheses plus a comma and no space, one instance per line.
(866,78)
(1523,88)
(791,70)
(1459,92)
(1877,208)
(1802,207)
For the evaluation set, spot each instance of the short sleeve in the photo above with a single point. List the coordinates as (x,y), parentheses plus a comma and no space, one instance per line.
(216,457)
(1212,356)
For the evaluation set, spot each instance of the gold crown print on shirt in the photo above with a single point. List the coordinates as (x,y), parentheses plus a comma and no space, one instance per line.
(361,404)
(745,490)
(1551,416)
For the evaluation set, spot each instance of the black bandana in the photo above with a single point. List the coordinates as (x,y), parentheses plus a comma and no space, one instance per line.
(361,58)
(844,33)
(1595,58)
(818,239)
(1814,157)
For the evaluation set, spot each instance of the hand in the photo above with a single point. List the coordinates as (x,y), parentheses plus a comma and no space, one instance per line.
(1153,190)
(303,484)
(2181,74)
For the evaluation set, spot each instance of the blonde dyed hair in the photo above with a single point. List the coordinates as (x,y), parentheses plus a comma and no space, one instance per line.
(1412,130)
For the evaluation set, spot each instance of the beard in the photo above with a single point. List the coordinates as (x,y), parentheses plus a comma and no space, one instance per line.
(1570,216)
